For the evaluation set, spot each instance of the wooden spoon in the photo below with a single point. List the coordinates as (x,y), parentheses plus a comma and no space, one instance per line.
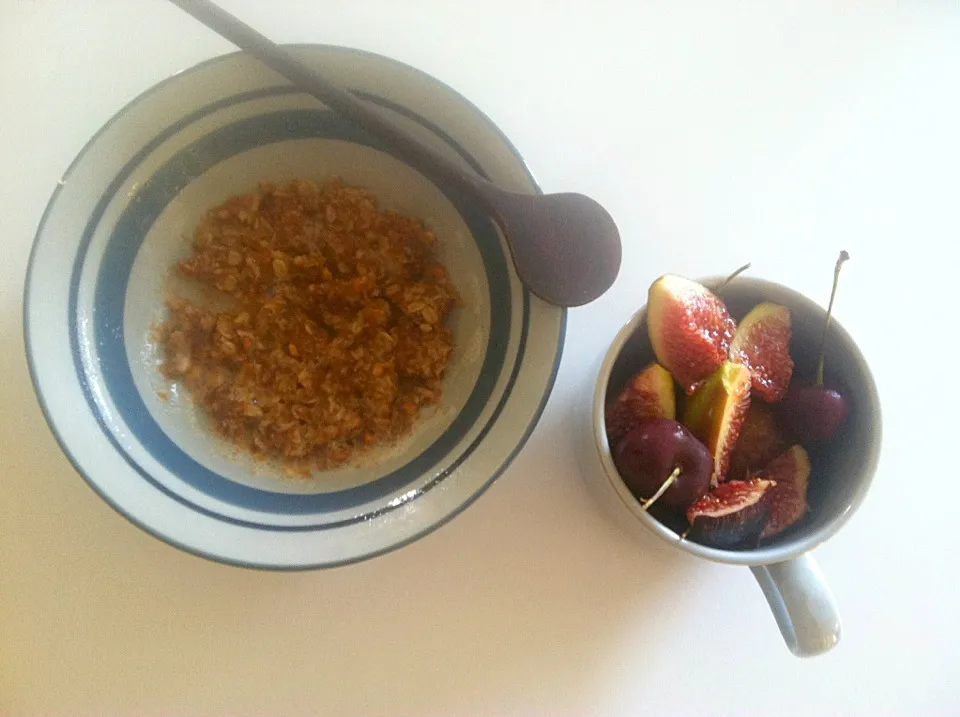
(565,247)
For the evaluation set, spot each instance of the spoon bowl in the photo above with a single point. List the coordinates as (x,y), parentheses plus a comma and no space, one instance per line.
(566,253)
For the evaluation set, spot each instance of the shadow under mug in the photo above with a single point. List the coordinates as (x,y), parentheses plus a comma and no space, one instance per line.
(793,584)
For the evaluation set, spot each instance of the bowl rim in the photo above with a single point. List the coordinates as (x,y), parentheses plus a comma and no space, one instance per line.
(144,524)
(766,555)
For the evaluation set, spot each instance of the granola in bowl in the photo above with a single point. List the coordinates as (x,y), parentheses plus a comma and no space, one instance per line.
(334,340)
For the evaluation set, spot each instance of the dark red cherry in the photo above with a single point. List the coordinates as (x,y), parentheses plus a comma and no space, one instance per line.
(661,461)
(812,413)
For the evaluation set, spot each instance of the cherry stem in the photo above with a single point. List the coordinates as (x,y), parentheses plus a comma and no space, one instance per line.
(826,324)
(663,489)
(733,276)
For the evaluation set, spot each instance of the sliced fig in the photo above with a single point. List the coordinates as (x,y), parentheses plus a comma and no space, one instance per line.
(647,395)
(788,498)
(762,344)
(690,329)
(732,515)
(760,441)
(661,461)
(716,411)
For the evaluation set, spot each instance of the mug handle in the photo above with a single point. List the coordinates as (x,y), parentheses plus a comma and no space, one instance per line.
(802,603)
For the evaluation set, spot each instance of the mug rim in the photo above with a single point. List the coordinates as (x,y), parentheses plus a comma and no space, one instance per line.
(766,555)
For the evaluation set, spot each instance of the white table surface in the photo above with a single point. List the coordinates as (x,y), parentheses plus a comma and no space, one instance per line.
(716,133)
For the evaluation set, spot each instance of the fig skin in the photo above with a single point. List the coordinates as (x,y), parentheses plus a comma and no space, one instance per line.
(788,498)
(732,515)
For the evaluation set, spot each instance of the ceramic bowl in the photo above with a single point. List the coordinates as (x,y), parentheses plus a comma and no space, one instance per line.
(124,213)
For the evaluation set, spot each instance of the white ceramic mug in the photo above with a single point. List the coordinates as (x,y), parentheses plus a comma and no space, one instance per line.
(793,584)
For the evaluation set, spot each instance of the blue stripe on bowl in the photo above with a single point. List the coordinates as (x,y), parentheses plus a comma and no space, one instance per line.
(473,217)
(111,290)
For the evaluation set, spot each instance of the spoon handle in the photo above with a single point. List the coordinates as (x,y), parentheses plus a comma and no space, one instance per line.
(370,118)
(565,247)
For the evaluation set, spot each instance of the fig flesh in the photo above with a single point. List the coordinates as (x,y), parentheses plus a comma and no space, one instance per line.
(690,329)
(716,412)
(649,394)
(762,344)
(732,515)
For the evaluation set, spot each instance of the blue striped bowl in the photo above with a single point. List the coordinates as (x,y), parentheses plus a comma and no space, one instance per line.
(125,211)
